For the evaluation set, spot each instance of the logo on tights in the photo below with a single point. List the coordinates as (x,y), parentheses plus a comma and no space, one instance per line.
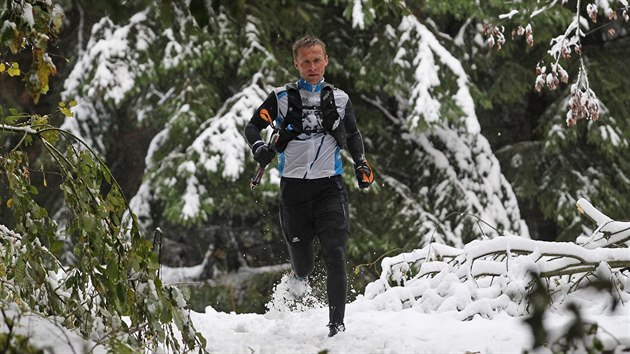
(295,239)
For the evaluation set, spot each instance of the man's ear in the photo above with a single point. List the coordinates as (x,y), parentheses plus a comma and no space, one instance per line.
(295,64)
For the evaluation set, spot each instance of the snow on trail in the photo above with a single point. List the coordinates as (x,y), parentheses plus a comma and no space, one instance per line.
(370,330)
(384,320)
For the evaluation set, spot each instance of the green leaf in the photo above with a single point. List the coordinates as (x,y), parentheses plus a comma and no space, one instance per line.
(20,265)
(112,271)
(11,119)
(67,190)
(106,173)
(56,246)
(14,70)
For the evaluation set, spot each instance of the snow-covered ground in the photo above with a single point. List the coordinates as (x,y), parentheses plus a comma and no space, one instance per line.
(374,329)
(374,325)
(437,299)
(469,300)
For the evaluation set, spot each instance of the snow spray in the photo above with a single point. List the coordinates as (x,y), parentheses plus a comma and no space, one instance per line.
(290,295)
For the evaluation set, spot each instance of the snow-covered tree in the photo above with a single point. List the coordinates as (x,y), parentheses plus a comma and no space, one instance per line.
(165,88)
(197,84)
(460,140)
(580,42)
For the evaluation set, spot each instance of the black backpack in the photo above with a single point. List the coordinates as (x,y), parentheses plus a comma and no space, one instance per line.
(292,125)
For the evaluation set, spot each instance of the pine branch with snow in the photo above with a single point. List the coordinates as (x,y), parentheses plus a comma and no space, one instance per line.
(488,277)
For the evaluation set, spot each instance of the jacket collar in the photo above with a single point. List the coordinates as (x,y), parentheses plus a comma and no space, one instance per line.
(303,85)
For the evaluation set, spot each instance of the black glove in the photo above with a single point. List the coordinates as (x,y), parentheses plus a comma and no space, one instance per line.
(263,154)
(365,177)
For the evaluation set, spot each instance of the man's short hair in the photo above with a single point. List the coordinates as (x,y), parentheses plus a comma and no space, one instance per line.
(306,42)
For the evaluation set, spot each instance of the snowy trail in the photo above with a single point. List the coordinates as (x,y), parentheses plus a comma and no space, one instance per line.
(407,331)
(372,331)
(380,326)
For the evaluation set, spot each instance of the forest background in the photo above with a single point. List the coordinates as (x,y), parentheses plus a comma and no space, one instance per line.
(463,142)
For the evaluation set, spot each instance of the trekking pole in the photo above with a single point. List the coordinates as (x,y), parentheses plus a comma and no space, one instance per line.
(260,171)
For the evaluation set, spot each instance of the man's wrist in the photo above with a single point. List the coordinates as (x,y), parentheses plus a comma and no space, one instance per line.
(257,144)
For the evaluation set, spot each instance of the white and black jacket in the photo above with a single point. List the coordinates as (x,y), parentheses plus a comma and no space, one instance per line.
(311,134)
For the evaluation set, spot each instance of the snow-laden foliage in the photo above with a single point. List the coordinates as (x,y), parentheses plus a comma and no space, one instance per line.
(554,164)
(192,81)
(215,156)
(197,163)
(440,84)
(108,289)
(106,73)
(489,277)
(583,102)
(454,190)
(462,205)
(199,145)
(584,161)
(608,232)
(33,25)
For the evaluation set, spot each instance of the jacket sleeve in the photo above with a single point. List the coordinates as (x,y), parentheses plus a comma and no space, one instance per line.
(256,123)
(354,140)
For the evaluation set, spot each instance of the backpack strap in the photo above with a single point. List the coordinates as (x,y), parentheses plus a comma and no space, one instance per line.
(292,124)
(331,121)
(293,119)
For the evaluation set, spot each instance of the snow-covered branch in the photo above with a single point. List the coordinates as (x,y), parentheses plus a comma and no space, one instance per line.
(489,276)
(26,129)
(609,232)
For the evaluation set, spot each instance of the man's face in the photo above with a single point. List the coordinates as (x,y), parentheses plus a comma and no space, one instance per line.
(311,63)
